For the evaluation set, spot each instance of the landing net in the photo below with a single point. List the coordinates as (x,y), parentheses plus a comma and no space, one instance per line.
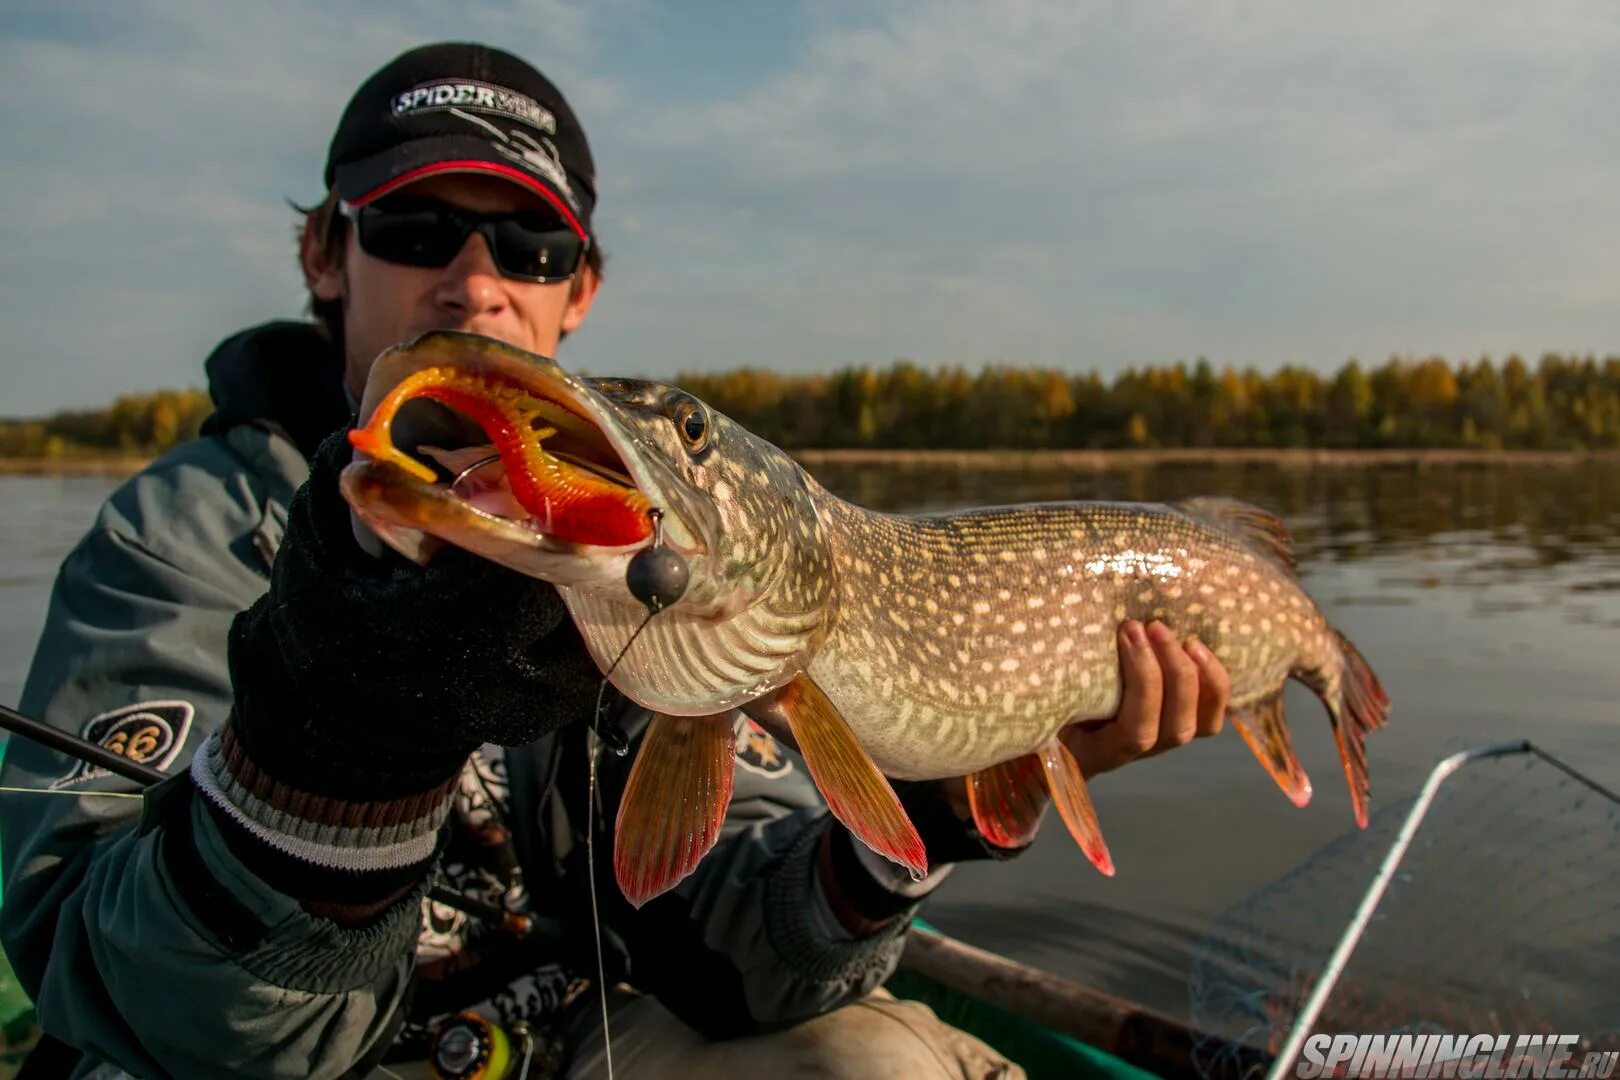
(1495,907)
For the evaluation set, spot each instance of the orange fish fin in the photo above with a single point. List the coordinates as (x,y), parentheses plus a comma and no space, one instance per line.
(1263,532)
(673,803)
(1068,786)
(1008,800)
(1362,707)
(1265,729)
(857,793)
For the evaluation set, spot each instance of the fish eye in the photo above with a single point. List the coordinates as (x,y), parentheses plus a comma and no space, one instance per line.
(693,424)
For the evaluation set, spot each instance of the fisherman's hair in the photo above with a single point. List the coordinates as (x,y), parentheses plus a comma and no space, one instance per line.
(332,227)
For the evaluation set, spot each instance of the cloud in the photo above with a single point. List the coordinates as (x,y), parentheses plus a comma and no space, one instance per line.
(1087,184)
(1251,181)
(151,157)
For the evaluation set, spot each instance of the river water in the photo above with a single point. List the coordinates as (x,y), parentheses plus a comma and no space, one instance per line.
(1487,600)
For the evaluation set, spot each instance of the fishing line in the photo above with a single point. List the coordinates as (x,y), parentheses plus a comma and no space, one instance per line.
(590,875)
(615,737)
(656,576)
(621,745)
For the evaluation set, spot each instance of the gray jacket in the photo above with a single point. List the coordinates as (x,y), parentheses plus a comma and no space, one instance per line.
(147,945)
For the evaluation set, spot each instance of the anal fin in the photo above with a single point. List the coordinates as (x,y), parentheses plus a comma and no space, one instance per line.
(1265,729)
(856,792)
(1008,800)
(1068,787)
(673,803)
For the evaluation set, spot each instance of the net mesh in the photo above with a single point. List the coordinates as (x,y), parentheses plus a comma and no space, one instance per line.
(1504,916)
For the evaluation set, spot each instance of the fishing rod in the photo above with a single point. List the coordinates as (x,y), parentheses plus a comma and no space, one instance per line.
(463,1041)
(92,753)
(77,746)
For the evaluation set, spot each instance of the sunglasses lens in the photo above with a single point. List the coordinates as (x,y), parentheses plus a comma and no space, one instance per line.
(536,249)
(422,236)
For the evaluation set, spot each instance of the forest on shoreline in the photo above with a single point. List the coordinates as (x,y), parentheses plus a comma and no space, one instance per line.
(1561,403)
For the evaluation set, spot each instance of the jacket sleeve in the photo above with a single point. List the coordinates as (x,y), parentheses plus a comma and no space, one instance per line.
(145,943)
(747,943)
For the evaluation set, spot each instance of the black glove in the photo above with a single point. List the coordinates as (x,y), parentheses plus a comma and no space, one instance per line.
(948,835)
(366,679)
(863,903)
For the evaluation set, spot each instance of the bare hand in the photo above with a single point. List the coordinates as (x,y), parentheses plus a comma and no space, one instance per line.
(1171,694)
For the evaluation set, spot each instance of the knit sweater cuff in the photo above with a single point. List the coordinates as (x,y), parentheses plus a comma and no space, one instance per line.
(317,847)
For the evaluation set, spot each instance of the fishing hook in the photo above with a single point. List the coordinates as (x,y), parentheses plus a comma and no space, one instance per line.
(474,467)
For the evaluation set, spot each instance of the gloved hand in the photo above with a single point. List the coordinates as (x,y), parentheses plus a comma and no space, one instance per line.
(365,678)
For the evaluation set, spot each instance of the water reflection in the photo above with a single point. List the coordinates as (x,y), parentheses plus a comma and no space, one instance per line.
(1558,514)
(43,518)
(1468,528)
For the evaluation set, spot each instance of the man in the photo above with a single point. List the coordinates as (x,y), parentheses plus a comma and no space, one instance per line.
(346,732)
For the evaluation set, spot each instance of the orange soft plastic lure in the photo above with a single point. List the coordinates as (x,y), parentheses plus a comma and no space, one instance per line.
(566,501)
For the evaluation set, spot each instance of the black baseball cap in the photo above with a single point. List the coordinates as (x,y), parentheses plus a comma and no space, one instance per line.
(460,107)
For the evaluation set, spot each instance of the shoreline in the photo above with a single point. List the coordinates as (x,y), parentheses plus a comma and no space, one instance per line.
(1093,460)
(88,466)
(1291,458)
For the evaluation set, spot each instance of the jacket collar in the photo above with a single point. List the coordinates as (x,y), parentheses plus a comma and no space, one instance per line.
(284,376)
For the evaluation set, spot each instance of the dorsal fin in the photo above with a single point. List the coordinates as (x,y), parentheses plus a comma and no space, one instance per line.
(1264,532)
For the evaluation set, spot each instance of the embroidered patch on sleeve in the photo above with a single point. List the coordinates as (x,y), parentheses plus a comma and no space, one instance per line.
(758,752)
(150,732)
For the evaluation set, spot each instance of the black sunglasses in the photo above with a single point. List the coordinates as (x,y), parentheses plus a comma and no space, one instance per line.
(528,245)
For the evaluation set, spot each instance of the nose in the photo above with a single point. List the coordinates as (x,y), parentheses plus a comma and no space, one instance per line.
(472,285)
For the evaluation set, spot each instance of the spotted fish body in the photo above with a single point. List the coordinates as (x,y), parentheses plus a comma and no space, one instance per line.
(908,646)
(965,639)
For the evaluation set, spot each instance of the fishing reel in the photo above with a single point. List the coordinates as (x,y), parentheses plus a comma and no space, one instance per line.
(471,1047)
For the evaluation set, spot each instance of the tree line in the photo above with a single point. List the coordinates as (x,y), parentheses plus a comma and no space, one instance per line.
(1561,402)
(135,425)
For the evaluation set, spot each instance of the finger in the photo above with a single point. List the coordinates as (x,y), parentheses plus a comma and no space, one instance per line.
(1136,730)
(1178,719)
(1214,688)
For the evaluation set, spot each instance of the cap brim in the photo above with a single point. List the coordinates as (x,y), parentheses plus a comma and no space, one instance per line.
(359,182)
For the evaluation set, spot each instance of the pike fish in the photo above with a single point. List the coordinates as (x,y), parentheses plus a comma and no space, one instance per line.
(880,645)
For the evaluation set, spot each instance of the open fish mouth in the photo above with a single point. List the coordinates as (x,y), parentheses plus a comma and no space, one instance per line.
(473,442)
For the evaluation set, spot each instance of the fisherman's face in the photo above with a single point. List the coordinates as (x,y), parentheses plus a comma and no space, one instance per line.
(386,303)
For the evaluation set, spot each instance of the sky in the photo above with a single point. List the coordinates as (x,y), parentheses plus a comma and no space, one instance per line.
(1085,184)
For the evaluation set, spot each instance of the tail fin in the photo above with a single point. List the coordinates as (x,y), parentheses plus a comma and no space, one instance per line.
(1362,707)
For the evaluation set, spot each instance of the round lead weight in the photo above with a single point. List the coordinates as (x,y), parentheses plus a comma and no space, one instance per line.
(657,577)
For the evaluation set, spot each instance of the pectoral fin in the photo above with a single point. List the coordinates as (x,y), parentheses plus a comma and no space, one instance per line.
(1068,787)
(673,803)
(1264,728)
(857,793)
(1008,800)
